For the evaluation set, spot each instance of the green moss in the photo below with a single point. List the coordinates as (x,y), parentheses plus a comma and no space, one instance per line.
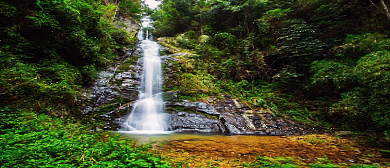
(171,44)
(163,53)
(125,66)
(120,100)
(192,82)
(118,82)
(106,109)
(112,105)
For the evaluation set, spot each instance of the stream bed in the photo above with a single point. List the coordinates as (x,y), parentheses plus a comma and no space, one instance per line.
(202,150)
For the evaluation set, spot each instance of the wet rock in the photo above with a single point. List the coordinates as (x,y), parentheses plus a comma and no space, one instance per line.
(179,55)
(198,106)
(234,124)
(169,97)
(183,121)
(212,99)
(208,110)
(167,58)
(126,75)
(248,123)
(108,87)
(131,26)
(238,119)
(232,129)
(188,104)
(238,105)
(202,105)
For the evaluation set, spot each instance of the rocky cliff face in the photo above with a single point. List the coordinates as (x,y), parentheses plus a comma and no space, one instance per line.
(109,99)
(220,115)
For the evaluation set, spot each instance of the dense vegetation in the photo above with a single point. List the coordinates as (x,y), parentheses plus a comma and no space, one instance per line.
(323,62)
(49,50)
(40,141)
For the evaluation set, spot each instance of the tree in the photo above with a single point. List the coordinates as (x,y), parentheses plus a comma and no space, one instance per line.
(385,10)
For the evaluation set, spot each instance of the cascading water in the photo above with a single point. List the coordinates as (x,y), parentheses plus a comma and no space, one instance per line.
(147,113)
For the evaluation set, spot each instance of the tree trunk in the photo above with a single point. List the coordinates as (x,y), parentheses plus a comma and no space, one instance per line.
(385,10)
(387,13)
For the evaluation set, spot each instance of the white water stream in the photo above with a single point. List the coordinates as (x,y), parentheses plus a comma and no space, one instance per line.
(147,113)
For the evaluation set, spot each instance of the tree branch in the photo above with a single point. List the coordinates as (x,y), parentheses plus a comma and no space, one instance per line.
(380,10)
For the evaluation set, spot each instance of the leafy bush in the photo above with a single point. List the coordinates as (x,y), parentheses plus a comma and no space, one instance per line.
(369,100)
(361,80)
(29,139)
(130,7)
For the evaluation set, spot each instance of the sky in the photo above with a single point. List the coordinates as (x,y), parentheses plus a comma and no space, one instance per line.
(152,3)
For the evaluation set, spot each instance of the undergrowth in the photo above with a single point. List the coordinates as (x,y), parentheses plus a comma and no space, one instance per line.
(36,140)
(288,162)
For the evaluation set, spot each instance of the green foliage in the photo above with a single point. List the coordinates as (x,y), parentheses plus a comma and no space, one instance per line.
(288,162)
(366,76)
(276,13)
(34,140)
(37,87)
(177,14)
(331,73)
(162,18)
(193,83)
(185,41)
(370,98)
(373,72)
(125,66)
(52,48)
(356,46)
(130,7)
(225,40)
(299,45)
(48,51)
(319,60)
(280,162)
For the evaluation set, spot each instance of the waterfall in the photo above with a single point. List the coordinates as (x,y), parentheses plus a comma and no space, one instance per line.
(147,112)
